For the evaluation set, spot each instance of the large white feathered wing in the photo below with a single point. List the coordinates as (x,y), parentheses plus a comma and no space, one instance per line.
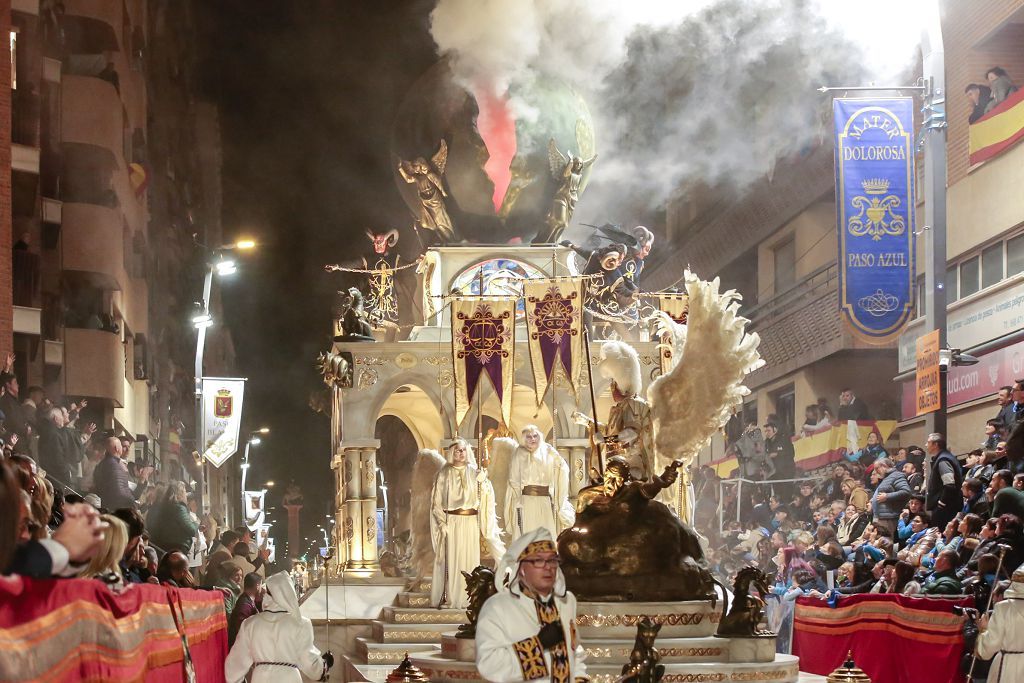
(428,463)
(713,354)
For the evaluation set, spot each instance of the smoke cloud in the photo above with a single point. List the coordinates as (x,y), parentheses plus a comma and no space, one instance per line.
(711,92)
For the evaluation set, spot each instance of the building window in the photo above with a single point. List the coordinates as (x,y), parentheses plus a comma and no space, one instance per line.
(784,401)
(14,59)
(992,265)
(951,295)
(1014,255)
(970,270)
(784,257)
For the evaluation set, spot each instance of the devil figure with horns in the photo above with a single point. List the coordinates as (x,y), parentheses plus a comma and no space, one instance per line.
(380,265)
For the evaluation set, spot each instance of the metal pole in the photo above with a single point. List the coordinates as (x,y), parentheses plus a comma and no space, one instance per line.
(934,144)
(200,343)
(245,471)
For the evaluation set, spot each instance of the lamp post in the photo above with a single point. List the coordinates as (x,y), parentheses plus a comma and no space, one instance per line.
(224,266)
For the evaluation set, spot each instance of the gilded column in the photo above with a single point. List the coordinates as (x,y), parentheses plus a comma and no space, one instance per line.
(575,453)
(368,500)
(352,531)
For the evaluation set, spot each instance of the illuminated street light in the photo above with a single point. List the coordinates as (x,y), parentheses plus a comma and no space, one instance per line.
(226,267)
(270,484)
(245,244)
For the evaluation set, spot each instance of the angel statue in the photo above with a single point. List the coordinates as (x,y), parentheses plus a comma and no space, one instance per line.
(427,177)
(568,173)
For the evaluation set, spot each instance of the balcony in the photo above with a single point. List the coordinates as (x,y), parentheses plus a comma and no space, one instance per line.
(94,364)
(91,26)
(87,176)
(92,113)
(93,245)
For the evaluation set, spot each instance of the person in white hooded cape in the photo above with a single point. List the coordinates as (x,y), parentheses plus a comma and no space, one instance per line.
(277,644)
(1001,636)
(527,631)
(538,488)
(461,516)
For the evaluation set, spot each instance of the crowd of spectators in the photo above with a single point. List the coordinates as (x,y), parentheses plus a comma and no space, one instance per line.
(74,507)
(875,521)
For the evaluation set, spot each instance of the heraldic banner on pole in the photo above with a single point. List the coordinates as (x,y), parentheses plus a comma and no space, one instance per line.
(875,211)
(254,509)
(222,417)
(483,343)
(675,306)
(554,326)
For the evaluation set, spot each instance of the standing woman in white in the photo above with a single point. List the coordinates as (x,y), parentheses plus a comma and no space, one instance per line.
(538,488)
(461,515)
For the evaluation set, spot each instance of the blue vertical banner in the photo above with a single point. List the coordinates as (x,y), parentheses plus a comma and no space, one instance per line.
(875,214)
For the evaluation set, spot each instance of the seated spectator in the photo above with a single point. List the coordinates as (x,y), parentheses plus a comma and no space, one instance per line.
(1007,499)
(173,570)
(943,581)
(993,434)
(1018,482)
(247,605)
(780,521)
(976,466)
(970,527)
(914,478)
(904,529)
(1002,86)
(832,488)
(851,526)
(921,540)
(1006,532)
(802,509)
(903,580)
(106,563)
(871,452)
(916,455)
(855,494)
(975,500)
(979,96)
(133,562)
(884,575)
(949,540)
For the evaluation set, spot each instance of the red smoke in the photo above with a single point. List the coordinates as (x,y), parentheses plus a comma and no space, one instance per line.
(497,128)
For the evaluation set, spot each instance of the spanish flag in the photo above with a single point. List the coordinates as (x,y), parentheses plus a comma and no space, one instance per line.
(998,130)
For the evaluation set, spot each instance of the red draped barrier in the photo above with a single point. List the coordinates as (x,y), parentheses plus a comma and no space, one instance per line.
(78,630)
(894,638)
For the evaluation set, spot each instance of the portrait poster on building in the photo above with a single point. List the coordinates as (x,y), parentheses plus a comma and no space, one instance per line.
(874,166)
(222,417)
(928,374)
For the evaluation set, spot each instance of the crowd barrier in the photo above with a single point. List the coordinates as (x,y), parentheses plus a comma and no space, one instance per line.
(79,630)
(893,638)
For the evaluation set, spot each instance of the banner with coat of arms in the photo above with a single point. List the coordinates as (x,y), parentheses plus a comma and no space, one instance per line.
(483,343)
(676,306)
(222,417)
(554,326)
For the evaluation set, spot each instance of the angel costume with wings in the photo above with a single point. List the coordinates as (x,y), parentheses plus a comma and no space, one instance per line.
(568,173)
(430,188)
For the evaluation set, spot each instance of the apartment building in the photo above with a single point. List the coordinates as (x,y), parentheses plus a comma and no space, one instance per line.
(114,167)
(776,242)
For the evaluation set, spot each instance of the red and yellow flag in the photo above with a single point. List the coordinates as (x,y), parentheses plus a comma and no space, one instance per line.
(998,130)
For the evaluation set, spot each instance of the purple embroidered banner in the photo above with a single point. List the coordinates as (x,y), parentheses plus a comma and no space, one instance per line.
(554,323)
(483,343)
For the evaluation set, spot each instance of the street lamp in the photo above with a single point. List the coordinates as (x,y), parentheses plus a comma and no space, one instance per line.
(270,484)
(215,261)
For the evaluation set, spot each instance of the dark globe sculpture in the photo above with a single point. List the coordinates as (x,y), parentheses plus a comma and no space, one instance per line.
(497,174)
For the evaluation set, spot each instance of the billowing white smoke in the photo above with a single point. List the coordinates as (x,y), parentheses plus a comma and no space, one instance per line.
(712,90)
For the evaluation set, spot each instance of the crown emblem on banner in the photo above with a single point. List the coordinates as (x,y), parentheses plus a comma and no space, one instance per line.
(875,185)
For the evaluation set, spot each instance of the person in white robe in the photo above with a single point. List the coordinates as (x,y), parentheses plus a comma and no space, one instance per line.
(277,644)
(527,631)
(461,515)
(1001,636)
(538,488)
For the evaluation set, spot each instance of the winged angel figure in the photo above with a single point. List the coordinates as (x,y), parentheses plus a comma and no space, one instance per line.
(694,399)
(427,176)
(568,173)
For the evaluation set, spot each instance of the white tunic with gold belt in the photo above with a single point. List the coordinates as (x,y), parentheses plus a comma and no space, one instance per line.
(538,492)
(461,514)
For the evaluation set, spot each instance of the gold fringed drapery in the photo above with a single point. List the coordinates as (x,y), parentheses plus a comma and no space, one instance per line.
(483,343)
(554,326)
(676,306)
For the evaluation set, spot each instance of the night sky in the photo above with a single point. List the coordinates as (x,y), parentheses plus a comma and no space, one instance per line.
(307,97)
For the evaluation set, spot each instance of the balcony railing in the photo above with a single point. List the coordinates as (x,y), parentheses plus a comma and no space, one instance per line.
(812,286)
